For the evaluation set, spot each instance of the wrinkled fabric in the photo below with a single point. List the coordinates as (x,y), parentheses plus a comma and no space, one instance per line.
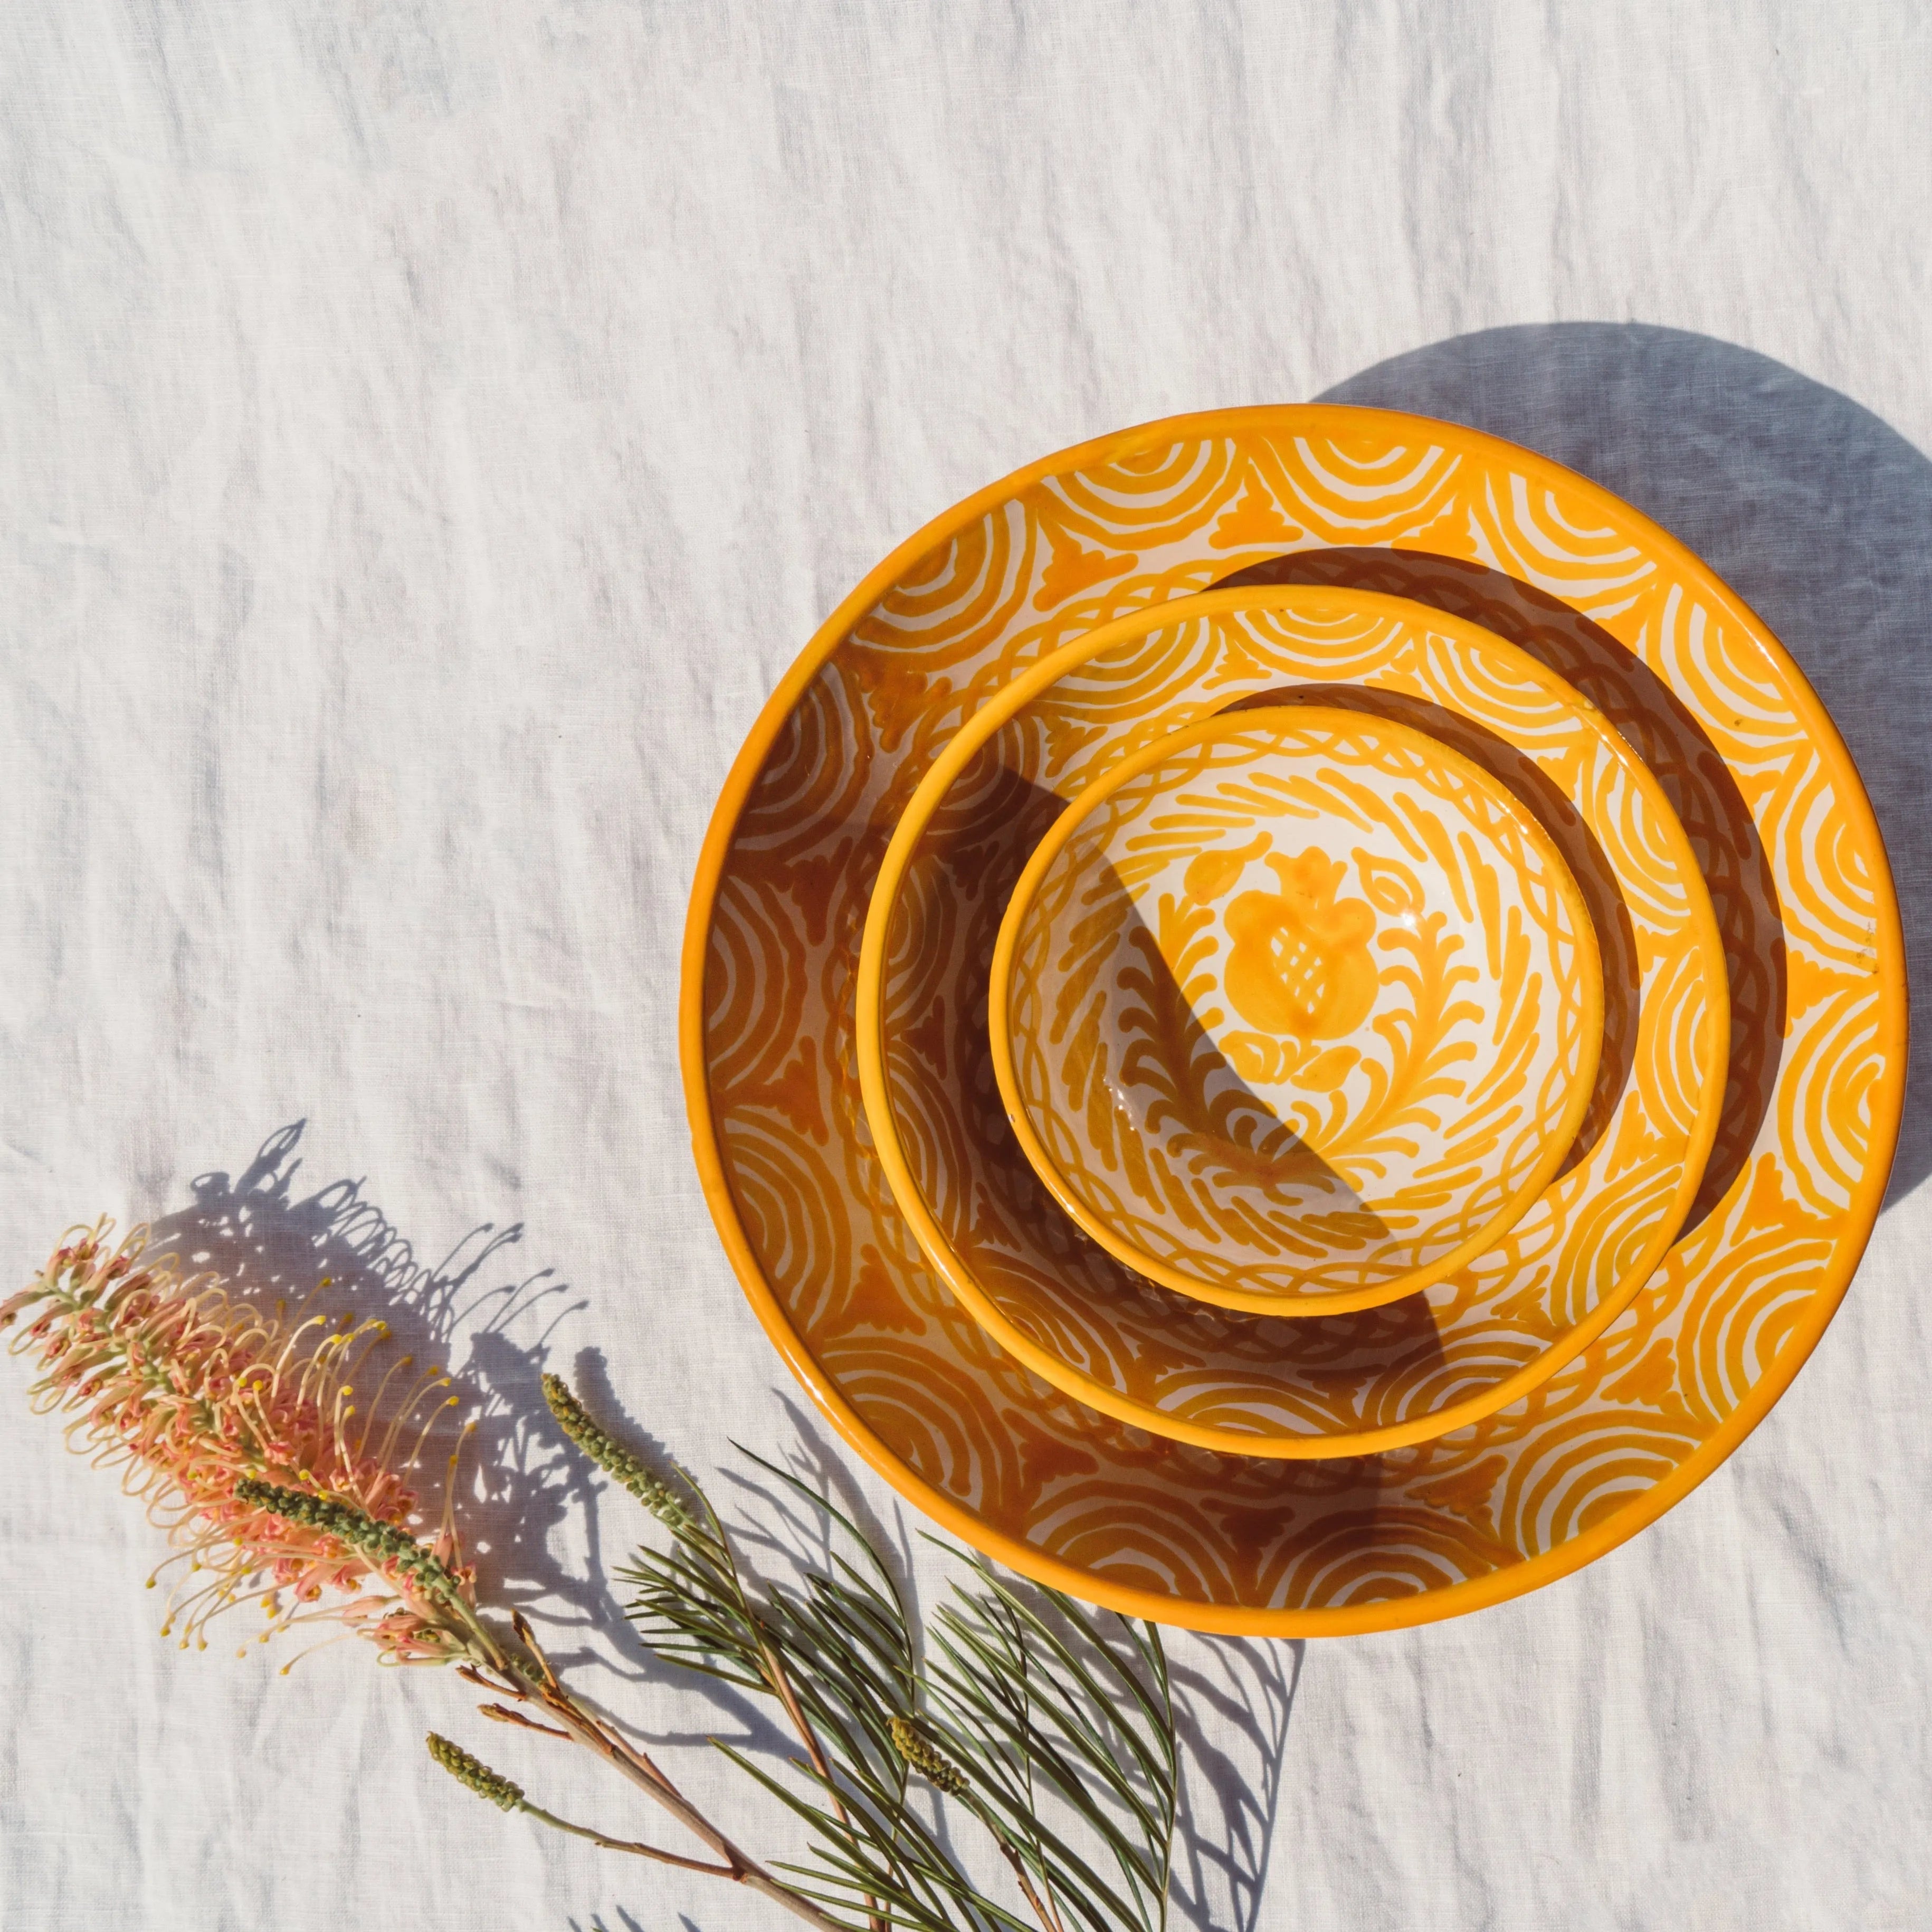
(427,434)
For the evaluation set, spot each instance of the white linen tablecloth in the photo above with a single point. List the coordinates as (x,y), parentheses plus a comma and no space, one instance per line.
(426,433)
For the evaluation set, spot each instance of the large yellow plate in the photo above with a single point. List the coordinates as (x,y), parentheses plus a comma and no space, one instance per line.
(1797,873)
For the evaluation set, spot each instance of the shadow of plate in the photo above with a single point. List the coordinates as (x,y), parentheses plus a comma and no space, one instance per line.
(1810,507)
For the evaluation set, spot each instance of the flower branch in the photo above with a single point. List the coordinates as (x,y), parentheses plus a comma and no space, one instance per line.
(243,1431)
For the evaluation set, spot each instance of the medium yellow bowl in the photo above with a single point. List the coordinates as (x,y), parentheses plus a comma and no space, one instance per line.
(1344,1385)
(1296,1011)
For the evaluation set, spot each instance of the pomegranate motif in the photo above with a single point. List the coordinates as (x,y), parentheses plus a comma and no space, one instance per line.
(1300,963)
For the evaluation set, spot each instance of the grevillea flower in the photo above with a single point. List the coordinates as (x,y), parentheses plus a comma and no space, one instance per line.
(242,1432)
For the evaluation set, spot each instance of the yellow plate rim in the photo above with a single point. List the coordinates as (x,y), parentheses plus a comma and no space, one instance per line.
(1498,1586)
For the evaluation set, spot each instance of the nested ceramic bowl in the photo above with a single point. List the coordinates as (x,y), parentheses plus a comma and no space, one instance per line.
(1343,1385)
(1296,1010)
(1642,1407)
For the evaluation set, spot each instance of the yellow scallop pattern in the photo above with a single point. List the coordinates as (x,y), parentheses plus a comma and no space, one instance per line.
(1788,849)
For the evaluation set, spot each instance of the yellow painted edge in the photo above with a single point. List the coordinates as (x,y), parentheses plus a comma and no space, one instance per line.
(1420,1607)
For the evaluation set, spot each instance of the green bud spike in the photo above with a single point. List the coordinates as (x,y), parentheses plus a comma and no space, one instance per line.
(381,1542)
(474,1773)
(938,1770)
(615,1461)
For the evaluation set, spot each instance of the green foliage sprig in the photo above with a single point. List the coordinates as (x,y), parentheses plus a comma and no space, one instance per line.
(1051,1726)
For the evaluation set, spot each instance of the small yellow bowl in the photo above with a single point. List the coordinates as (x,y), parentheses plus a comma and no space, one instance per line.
(1296,1011)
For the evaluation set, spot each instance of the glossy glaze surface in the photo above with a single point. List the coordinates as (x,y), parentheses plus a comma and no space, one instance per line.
(1296,1011)
(1782,832)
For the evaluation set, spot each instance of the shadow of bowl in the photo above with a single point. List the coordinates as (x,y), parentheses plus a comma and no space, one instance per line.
(1814,511)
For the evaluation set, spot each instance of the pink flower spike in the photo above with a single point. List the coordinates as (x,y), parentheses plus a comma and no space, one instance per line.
(190,1393)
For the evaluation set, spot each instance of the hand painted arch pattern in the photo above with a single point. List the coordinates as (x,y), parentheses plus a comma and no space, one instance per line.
(1809,923)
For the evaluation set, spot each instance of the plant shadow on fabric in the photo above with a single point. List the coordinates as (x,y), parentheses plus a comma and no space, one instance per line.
(334,1254)
(1234,1697)
(336,1251)
(519,1480)
(1810,507)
